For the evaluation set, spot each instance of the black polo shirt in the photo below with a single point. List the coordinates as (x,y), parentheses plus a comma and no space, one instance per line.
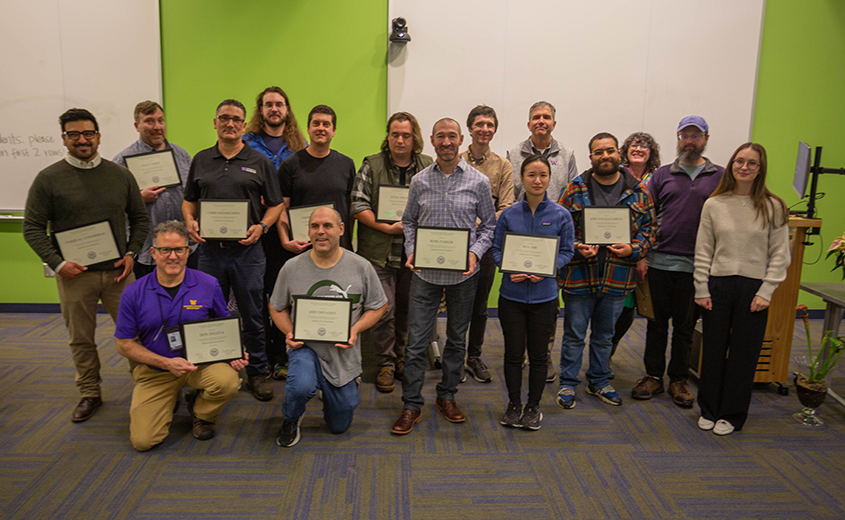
(248,175)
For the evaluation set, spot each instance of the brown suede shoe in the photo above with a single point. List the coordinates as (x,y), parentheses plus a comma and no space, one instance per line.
(647,388)
(384,380)
(86,408)
(680,394)
(450,410)
(406,421)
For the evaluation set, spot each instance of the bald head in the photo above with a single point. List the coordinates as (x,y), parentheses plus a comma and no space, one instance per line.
(324,212)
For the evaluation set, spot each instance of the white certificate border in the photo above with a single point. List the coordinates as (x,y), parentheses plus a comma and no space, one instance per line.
(452,269)
(296,307)
(55,234)
(396,186)
(556,238)
(186,324)
(155,152)
(199,218)
(614,208)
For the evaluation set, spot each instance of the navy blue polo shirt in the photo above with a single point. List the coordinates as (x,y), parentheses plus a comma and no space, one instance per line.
(247,175)
(145,302)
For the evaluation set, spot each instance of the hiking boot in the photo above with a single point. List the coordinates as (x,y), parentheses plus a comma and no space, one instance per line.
(647,388)
(289,433)
(384,380)
(512,415)
(607,394)
(478,370)
(531,417)
(260,387)
(680,394)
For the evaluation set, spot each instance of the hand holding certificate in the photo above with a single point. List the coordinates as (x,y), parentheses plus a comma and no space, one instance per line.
(530,254)
(154,169)
(391,203)
(87,245)
(322,319)
(607,225)
(224,219)
(212,340)
(445,249)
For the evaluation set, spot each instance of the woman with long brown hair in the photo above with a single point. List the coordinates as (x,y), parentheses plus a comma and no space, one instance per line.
(741,255)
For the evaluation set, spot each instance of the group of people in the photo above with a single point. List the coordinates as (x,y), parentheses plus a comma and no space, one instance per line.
(705,239)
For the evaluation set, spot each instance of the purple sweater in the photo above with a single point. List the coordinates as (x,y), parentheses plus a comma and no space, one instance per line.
(678,201)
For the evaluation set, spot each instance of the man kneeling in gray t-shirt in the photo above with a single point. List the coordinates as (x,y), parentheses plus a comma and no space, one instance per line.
(327,271)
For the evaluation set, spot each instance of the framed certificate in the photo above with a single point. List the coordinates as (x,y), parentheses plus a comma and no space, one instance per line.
(224,219)
(530,254)
(298,218)
(391,202)
(154,169)
(606,225)
(322,319)
(212,340)
(445,249)
(87,245)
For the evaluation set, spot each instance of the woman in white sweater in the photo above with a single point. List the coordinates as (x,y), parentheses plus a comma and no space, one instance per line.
(741,255)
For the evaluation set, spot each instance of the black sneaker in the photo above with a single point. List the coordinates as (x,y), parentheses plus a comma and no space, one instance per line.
(260,387)
(531,417)
(478,370)
(289,433)
(512,415)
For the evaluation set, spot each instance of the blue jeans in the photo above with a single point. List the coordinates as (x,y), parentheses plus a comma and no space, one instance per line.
(305,377)
(423,303)
(600,311)
(242,269)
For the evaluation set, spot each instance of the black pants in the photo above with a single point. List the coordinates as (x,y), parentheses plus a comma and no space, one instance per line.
(526,325)
(626,319)
(732,338)
(478,323)
(672,295)
(275,257)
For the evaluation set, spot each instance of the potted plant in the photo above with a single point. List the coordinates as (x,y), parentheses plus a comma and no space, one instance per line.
(838,248)
(812,388)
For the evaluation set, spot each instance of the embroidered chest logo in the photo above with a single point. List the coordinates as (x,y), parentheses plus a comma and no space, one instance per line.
(250,170)
(193,306)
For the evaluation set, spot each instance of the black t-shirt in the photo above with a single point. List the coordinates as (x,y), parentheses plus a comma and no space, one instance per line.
(248,175)
(308,180)
(605,195)
(172,291)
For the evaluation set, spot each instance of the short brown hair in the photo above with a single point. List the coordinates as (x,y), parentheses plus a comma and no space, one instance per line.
(146,108)
(415,130)
(482,110)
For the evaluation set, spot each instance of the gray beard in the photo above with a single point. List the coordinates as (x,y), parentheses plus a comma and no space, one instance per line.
(690,156)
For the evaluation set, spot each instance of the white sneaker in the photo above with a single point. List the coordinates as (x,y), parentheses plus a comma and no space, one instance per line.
(705,424)
(723,427)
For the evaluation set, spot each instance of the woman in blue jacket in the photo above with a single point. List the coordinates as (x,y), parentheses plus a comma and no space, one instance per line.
(527,303)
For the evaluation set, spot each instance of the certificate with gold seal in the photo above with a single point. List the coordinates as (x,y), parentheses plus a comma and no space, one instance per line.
(530,254)
(445,249)
(322,319)
(391,203)
(212,340)
(603,225)
(299,218)
(223,219)
(88,245)
(154,169)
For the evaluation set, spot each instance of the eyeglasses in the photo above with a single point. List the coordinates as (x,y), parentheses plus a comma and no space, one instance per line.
(226,119)
(690,137)
(87,134)
(600,153)
(641,146)
(165,251)
(751,165)
(278,104)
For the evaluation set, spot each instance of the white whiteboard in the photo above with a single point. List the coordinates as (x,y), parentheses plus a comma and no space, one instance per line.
(102,55)
(616,66)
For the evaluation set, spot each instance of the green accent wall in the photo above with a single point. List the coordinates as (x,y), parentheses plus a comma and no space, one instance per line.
(334,53)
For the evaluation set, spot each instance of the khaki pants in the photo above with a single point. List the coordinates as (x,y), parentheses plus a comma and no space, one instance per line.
(155,396)
(79,297)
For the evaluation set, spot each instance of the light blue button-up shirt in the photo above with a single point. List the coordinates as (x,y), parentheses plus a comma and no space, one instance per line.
(458,200)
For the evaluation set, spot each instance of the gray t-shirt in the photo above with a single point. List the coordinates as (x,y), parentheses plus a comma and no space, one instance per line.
(351,277)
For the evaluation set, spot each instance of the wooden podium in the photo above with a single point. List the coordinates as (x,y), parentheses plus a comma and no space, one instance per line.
(773,366)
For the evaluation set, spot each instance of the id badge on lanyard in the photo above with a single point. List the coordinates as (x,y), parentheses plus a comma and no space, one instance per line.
(174,338)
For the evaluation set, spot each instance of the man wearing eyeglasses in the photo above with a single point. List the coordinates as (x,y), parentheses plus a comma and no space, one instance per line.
(679,191)
(163,203)
(81,190)
(147,334)
(233,170)
(599,277)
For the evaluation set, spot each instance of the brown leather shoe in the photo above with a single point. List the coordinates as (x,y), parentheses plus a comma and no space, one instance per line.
(86,408)
(450,410)
(647,388)
(406,421)
(384,380)
(680,394)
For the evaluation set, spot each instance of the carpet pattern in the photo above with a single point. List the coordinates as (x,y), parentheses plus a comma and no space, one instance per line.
(643,460)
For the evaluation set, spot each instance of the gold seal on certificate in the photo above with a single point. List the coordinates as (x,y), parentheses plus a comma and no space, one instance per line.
(445,249)
(322,319)
(299,217)
(530,254)
(391,202)
(154,169)
(607,225)
(224,219)
(87,245)
(211,340)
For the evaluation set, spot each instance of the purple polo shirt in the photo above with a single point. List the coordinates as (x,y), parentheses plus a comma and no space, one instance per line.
(677,202)
(145,301)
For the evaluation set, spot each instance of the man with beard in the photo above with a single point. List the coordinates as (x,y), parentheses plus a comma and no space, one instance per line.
(679,191)
(80,190)
(163,203)
(597,279)
(449,193)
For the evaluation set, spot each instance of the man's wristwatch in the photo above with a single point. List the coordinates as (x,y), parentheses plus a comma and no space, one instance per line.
(266,228)
(133,255)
